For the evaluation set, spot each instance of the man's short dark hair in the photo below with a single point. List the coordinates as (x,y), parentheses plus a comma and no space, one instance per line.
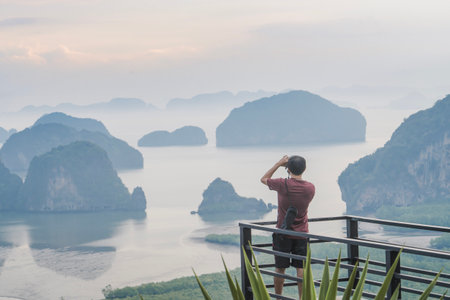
(296,164)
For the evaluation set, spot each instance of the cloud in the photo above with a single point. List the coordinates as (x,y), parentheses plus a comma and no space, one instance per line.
(21,54)
(63,55)
(13,22)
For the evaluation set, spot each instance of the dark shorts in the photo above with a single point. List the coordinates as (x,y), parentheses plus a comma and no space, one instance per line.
(284,244)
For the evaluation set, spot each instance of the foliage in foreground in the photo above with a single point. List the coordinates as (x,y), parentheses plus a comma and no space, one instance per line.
(186,288)
(328,289)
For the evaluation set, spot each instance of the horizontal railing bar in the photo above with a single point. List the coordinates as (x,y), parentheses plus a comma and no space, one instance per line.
(316,282)
(403,246)
(269,286)
(408,269)
(420,279)
(359,242)
(273,295)
(262,245)
(372,262)
(320,261)
(419,292)
(319,219)
(425,272)
(263,266)
(285,276)
(373,282)
(399,224)
(372,220)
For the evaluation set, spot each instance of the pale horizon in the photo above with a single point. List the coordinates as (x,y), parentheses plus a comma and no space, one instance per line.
(85,52)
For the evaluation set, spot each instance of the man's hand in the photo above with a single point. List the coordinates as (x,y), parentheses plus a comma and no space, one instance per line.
(281,163)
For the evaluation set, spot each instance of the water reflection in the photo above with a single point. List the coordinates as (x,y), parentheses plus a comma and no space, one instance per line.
(60,242)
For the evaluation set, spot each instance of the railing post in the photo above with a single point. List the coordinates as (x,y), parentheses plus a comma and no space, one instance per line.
(246,237)
(391,255)
(352,250)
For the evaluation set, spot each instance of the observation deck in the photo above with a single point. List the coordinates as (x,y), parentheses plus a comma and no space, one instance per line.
(405,275)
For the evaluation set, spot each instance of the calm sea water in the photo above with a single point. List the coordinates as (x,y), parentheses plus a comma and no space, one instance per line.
(48,256)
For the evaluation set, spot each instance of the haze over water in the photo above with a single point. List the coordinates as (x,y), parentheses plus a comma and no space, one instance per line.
(388,59)
(46,256)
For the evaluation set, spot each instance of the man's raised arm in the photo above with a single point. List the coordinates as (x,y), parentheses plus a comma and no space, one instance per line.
(281,163)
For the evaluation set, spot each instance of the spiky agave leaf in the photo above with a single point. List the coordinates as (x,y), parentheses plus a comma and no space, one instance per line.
(234,291)
(332,289)
(357,294)
(325,281)
(396,293)
(202,288)
(240,294)
(427,291)
(308,291)
(351,281)
(387,280)
(261,286)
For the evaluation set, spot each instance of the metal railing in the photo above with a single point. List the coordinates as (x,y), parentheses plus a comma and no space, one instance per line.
(353,242)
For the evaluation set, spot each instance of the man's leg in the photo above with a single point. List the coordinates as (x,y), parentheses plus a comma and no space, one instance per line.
(281,263)
(300,285)
(278,281)
(300,248)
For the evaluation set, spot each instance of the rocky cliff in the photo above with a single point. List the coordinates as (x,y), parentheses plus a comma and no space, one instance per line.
(76,177)
(412,168)
(10,185)
(296,117)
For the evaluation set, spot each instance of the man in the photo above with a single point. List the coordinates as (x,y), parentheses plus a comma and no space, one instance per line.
(299,193)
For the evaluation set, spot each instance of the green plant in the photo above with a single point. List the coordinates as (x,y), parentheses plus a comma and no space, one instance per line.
(327,290)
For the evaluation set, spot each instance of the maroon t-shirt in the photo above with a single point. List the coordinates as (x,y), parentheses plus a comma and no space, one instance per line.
(301,193)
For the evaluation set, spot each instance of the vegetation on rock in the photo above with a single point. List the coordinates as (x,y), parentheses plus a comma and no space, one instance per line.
(412,168)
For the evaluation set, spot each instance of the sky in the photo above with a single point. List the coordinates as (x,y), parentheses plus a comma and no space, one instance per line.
(86,51)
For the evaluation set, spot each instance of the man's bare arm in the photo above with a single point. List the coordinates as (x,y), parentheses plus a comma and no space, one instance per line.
(281,163)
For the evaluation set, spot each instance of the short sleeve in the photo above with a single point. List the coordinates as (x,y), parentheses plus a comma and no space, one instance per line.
(274,184)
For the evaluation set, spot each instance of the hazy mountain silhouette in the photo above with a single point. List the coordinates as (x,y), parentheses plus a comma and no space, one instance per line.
(215,101)
(297,117)
(184,136)
(114,105)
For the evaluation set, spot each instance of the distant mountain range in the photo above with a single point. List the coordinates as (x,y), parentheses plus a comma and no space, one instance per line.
(216,101)
(210,101)
(115,105)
